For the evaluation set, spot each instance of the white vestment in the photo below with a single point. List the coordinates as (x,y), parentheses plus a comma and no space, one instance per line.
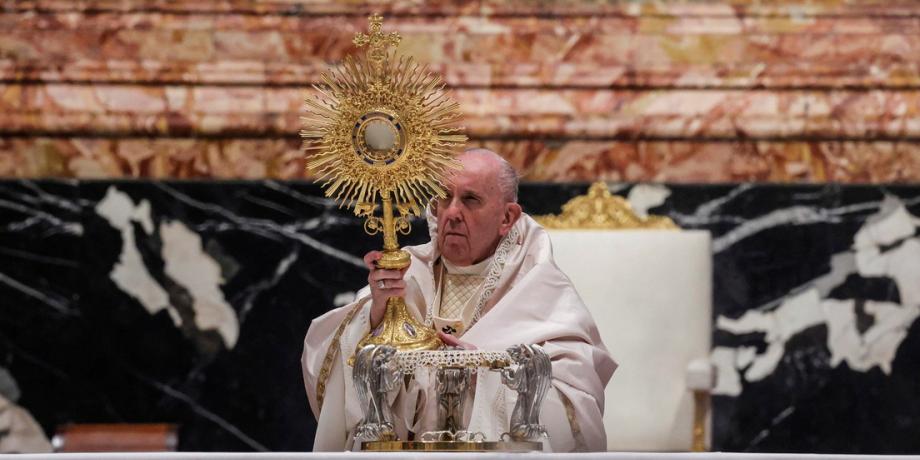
(527,301)
(19,432)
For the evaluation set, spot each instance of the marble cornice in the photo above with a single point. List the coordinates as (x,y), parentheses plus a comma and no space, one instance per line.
(572,90)
(550,160)
(488,7)
(570,75)
(130,110)
(670,45)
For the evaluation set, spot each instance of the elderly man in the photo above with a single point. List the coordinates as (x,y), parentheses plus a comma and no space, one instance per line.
(486,280)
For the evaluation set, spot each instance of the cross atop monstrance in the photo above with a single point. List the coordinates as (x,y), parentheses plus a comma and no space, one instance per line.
(377,42)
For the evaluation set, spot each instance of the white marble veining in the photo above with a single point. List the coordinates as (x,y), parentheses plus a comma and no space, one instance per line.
(251,292)
(35,217)
(726,363)
(794,215)
(54,301)
(344,298)
(706,213)
(129,273)
(188,264)
(185,262)
(643,197)
(891,223)
(266,228)
(796,314)
(32,214)
(877,345)
(883,247)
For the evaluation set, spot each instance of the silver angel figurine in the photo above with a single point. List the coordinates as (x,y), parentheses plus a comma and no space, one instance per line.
(375,374)
(531,378)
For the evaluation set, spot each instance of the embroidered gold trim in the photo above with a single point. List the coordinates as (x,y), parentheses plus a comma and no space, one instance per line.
(598,209)
(580,444)
(330,356)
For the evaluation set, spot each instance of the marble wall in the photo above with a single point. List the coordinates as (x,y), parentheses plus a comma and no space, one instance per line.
(187,302)
(674,91)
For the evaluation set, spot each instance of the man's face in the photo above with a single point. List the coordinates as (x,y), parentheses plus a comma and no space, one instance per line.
(474,216)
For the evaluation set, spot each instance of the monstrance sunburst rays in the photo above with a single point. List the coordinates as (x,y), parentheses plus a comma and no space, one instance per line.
(406,95)
(397,99)
(381,128)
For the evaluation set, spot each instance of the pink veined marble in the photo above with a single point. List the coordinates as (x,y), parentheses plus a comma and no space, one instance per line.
(727,90)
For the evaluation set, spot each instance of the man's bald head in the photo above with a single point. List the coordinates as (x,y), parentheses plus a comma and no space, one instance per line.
(507,176)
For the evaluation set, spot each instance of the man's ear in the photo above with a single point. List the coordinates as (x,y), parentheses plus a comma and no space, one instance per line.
(512,214)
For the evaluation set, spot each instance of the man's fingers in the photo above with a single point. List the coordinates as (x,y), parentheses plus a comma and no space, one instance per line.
(370,258)
(395,284)
(387,284)
(452,341)
(449,339)
(392,278)
(387,275)
(384,284)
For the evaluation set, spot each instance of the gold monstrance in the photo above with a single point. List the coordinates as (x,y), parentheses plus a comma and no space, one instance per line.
(380,129)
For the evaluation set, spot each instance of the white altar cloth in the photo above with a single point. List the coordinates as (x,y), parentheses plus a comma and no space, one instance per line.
(446,456)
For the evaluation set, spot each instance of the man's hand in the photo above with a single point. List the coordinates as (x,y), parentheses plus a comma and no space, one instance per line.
(384,284)
(452,341)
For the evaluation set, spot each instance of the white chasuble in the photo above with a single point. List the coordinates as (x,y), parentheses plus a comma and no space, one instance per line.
(522,298)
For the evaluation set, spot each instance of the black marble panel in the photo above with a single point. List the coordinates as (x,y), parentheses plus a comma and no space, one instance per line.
(834,369)
(187,302)
(82,346)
